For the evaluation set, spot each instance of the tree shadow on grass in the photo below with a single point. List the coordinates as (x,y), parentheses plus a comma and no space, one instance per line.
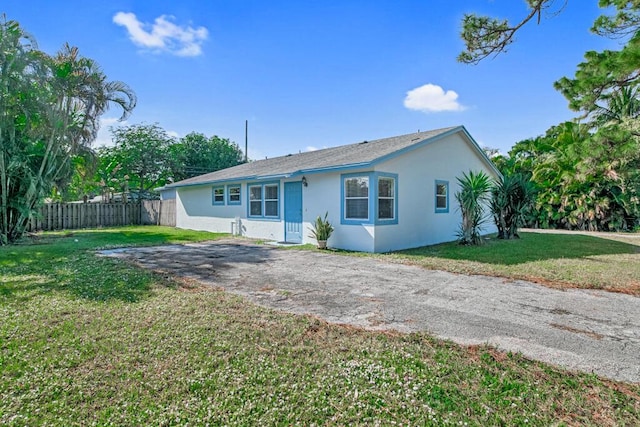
(119,237)
(81,275)
(530,247)
(70,264)
(200,261)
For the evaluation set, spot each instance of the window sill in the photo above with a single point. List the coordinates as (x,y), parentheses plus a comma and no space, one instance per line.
(264,218)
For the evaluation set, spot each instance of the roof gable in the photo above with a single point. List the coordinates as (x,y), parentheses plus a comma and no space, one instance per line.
(343,157)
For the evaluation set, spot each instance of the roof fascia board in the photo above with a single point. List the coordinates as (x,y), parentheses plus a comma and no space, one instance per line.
(435,138)
(481,152)
(263,177)
(352,166)
(418,144)
(215,181)
(293,174)
(326,169)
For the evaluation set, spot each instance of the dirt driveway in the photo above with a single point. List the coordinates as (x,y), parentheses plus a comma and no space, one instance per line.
(592,331)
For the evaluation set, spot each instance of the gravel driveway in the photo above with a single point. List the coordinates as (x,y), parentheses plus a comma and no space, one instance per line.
(592,331)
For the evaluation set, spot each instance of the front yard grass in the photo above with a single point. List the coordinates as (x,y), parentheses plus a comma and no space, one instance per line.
(86,340)
(610,262)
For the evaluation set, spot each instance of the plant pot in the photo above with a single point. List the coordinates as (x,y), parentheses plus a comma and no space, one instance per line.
(322,244)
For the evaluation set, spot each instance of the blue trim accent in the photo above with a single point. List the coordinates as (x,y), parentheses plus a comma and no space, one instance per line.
(229,202)
(360,165)
(480,151)
(372,196)
(435,196)
(337,168)
(213,195)
(262,216)
(343,201)
(293,215)
(394,176)
(215,181)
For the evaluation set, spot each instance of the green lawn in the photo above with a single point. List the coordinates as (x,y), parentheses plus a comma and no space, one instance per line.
(93,341)
(559,260)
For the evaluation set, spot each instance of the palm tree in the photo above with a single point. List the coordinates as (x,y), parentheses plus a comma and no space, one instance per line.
(511,200)
(83,94)
(472,198)
(621,104)
(18,67)
(50,109)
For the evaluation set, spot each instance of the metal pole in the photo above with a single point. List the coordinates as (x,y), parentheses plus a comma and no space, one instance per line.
(246,140)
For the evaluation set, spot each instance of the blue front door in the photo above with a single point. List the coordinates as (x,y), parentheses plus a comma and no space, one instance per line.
(293,212)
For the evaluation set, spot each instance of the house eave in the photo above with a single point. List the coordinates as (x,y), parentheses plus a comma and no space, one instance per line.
(347,167)
(274,176)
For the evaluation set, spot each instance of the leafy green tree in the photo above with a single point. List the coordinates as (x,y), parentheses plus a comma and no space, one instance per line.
(602,73)
(49,112)
(613,169)
(196,154)
(583,180)
(472,199)
(586,175)
(17,70)
(81,184)
(620,106)
(485,36)
(139,161)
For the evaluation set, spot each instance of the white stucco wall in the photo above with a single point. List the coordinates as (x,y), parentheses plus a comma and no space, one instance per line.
(418,223)
(323,195)
(195,211)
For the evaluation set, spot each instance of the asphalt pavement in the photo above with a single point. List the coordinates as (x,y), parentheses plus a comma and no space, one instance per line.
(586,330)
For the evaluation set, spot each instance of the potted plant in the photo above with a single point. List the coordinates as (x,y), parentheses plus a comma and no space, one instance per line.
(321,230)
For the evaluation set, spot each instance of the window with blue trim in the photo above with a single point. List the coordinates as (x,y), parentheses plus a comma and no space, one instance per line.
(218,195)
(264,200)
(233,194)
(386,198)
(370,198)
(442,196)
(271,201)
(356,198)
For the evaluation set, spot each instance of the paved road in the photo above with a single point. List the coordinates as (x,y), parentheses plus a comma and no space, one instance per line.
(592,331)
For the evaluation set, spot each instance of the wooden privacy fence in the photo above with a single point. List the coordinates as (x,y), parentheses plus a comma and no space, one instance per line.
(70,216)
(159,212)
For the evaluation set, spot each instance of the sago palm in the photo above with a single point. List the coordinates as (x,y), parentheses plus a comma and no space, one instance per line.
(472,200)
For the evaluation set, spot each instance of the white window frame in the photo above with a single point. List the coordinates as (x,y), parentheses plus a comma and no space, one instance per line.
(373,198)
(229,194)
(263,200)
(276,200)
(346,198)
(392,197)
(214,190)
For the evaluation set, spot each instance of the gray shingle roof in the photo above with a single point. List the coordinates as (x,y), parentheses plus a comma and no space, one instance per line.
(359,154)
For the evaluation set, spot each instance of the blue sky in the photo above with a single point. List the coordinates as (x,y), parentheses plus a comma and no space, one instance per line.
(314,74)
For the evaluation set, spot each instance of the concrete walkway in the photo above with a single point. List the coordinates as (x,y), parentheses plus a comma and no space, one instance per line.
(592,331)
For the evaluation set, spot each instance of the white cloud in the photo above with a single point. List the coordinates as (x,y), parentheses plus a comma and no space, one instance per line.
(163,35)
(432,98)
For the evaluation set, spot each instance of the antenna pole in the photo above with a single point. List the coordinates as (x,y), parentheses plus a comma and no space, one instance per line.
(246,141)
